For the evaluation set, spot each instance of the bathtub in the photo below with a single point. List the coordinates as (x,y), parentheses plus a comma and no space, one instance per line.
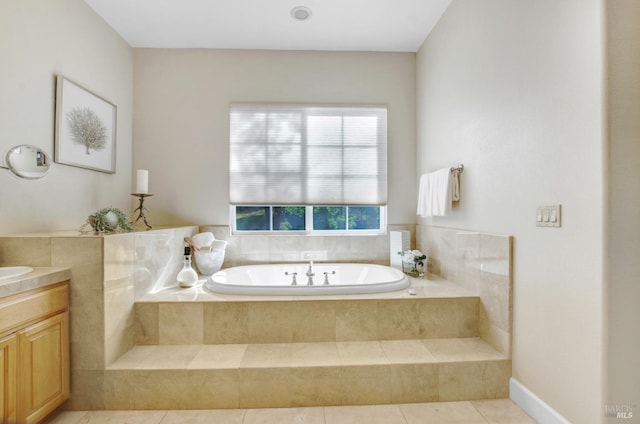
(276,279)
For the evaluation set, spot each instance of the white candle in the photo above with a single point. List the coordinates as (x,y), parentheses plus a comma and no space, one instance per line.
(142,181)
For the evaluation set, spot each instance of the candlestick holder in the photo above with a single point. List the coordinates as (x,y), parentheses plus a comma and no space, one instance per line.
(141,209)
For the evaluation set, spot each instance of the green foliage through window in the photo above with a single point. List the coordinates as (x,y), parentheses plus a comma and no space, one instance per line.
(308,218)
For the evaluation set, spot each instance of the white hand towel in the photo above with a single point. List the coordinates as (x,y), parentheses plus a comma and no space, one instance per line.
(435,193)
(455,186)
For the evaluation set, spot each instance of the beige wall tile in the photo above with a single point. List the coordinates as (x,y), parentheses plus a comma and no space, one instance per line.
(497,247)
(439,318)
(186,389)
(495,309)
(398,319)
(316,386)
(496,377)
(74,251)
(313,321)
(87,320)
(86,390)
(87,355)
(119,320)
(468,316)
(146,324)
(494,336)
(118,389)
(119,256)
(367,385)
(493,284)
(226,322)
(461,381)
(180,323)
(265,387)
(414,383)
(220,388)
(30,251)
(87,277)
(356,320)
(269,322)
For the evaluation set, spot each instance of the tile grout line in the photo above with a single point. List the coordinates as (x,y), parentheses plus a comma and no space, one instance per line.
(479,412)
(406,420)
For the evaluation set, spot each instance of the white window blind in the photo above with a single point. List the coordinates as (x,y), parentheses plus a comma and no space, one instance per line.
(308,155)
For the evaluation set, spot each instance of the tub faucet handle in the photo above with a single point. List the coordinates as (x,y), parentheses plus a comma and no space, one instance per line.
(310,274)
(293,281)
(326,277)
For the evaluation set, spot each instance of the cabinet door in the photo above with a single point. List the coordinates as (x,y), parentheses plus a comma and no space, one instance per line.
(44,367)
(8,366)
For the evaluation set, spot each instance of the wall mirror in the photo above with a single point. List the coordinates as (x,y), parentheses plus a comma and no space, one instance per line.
(26,161)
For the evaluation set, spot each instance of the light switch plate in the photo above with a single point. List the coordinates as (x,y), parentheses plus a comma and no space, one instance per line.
(548,216)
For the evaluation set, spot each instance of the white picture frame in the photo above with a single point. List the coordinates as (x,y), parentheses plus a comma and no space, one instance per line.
(85,128)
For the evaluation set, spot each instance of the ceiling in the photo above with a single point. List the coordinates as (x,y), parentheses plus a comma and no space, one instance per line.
(339,25)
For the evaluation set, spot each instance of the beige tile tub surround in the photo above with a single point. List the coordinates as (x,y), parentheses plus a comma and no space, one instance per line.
(293,321)
(250,249)
(482,264)
(194,349)
(311,374)
(105,272)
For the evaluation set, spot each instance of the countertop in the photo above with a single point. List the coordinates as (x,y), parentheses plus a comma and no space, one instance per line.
(39,277)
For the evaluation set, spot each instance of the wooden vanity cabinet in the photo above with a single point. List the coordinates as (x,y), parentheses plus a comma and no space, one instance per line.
(34,353)
(8,380)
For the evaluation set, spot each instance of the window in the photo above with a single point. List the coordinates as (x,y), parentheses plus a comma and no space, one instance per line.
(308,219)
(307,168)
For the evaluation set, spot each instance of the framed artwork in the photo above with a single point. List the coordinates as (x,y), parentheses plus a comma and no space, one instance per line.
(85,128)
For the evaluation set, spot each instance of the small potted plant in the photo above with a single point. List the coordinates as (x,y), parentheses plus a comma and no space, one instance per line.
(107,221)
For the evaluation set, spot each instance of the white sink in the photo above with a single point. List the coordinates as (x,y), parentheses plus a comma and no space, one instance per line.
(7,272)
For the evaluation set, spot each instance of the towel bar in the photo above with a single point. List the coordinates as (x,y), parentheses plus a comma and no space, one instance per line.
(458,168)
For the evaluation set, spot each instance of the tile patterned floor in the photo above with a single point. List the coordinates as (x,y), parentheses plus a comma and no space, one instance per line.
(500,411)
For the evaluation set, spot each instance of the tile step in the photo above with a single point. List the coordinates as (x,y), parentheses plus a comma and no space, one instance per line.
(306,374)
(318,354)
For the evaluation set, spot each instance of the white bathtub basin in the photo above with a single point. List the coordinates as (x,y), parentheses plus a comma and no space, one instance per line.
(8,272)
(276,279)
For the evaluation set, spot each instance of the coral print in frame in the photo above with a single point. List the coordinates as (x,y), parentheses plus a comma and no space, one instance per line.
(85,128)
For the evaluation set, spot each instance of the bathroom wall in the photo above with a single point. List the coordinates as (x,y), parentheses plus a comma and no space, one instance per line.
(514,91)
(38,40)
(623,291)
(181,110)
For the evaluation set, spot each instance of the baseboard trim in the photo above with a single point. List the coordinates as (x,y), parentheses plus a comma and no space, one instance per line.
(535,407)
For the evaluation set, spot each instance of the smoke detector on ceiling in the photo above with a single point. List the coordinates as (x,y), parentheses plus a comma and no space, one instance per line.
(301,13)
